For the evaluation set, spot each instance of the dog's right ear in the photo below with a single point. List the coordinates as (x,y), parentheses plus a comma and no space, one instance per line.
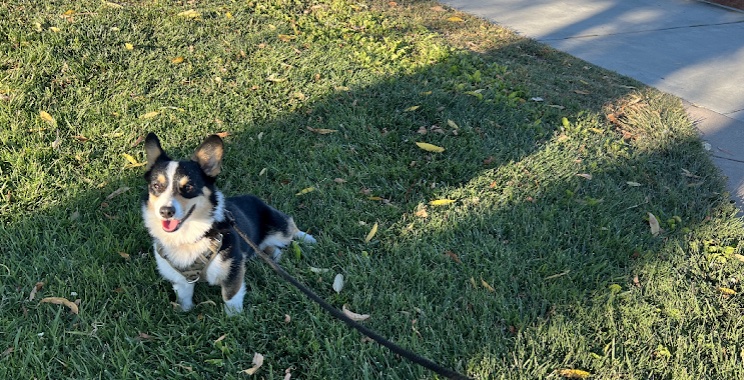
(153,150)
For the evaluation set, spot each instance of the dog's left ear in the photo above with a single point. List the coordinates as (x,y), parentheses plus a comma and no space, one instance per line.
(209,155)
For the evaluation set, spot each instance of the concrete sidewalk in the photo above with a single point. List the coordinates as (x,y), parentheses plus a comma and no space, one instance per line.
(690,49)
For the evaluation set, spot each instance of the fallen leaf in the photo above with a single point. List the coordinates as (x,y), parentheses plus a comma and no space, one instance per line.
(321,131)
(453,256)
(371,233)
(739,257)
(192,14)
(441,202)
(221,338)
(285,37)
(223,134)
(81,138)
(143,336)
(149,115)
(354,316)
(582,92)
(136,142)
(633,184)
(306,190)
(411,108)
(455,19)
(726,291)
(584,175)
(430,147)
(339,180)
(118,191)
(47,117)
(421,212)
(338,283)
(177,60)
(8,351)
(61,301)
(131,163)
(287,374)
(112,5)
(654,224)
(128,46)
(124,255)
(438,8)
(487,285)
(573,373)
(452,124)
(258,360)
(319,270)
(34,290)
(56,142)
(54,29)
(287,318)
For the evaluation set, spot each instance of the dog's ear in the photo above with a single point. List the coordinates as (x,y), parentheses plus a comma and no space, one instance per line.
(153,150)
(209,155)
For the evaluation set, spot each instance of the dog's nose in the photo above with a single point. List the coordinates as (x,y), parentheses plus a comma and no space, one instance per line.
(167,211)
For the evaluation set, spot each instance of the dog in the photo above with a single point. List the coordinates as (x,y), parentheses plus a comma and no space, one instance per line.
(192,224)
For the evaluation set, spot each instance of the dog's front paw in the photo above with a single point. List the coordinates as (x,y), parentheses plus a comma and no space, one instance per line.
(186,305)
(233,310)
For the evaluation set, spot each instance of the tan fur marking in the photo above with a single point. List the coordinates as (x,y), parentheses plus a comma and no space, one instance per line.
(184,180)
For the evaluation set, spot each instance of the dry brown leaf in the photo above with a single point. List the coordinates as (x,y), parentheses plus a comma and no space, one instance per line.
(487,285)
(339,180)
(455,19)
(124,255)
(61,301)
(354,316)
(136,142)
(35,289)
(654,224)
(453,256)
(221,338)
(582,92)
(118,191)
(258,360)
(223,134)
(421,212)
(8,351)
(321,131)
(585,175)
(438,8)
(81,138)
(177,60)
(149,115)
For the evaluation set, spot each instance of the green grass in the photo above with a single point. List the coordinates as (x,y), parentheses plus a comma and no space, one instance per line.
(533,268)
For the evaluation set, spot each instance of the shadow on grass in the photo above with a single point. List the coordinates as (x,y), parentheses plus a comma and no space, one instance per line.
(545,240)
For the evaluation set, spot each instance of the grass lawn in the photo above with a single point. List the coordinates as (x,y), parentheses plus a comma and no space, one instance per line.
(522,251)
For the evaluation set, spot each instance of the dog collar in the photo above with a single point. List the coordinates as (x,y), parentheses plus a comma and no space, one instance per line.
(197,270)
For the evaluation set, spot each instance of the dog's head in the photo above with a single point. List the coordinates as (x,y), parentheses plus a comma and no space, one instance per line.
(182,202)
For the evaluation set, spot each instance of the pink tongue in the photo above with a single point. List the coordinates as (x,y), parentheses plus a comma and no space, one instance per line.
(170,225)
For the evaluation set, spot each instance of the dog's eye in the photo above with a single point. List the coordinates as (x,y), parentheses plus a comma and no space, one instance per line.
(157,187)
(187,188)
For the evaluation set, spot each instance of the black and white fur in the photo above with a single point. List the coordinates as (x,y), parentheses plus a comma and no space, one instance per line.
(183,211)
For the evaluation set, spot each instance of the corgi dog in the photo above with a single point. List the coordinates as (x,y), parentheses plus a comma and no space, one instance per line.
(191,224)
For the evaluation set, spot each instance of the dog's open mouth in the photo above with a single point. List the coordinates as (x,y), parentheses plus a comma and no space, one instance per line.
(171,225)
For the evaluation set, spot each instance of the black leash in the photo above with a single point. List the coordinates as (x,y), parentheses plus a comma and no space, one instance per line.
(422,361)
